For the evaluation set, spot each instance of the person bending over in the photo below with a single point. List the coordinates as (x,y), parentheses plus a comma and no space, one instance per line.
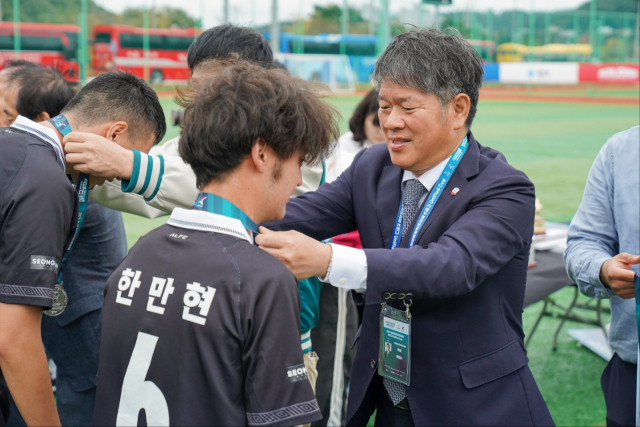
(200,327)
(38,220)
(72,339)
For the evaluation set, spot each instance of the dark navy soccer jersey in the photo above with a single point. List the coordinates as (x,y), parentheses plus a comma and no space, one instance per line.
(38,213)
(201,327)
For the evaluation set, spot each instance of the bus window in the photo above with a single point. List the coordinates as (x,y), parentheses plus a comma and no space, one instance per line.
(103,38)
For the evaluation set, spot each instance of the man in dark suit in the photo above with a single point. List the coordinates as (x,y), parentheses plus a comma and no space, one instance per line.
(461,269)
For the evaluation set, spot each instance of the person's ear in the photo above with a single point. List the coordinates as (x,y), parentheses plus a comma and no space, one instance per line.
(42,117)
(117,130)
(461,106)
(259,155)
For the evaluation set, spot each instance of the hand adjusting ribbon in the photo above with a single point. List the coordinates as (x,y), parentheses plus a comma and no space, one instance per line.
(60,298)
(218,205)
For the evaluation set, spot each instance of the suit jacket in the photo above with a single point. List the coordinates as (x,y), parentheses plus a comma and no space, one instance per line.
(467,275)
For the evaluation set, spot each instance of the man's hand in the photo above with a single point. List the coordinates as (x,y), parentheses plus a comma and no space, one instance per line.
(304,256)
(616,274)
(97,156)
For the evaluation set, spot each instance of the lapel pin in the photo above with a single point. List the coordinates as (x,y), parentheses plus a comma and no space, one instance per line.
(455,191)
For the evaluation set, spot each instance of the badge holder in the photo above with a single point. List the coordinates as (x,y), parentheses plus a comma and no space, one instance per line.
(394,359)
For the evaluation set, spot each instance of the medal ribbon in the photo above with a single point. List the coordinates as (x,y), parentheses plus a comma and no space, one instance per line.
(62,125)
(434,195)
(218,205)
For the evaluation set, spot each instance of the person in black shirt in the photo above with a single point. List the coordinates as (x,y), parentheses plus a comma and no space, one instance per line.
(38,217)
(201,327)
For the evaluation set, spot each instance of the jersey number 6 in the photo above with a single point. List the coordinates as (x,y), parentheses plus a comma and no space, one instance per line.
(139,394)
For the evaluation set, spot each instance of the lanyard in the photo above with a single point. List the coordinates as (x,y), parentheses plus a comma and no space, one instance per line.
(442,181)
(62,125)
(217,205)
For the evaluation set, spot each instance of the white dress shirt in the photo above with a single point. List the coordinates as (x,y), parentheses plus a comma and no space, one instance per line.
(349,265)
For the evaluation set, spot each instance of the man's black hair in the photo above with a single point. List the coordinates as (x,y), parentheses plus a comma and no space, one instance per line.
(221,41)
(120,96)
(12,63)
(43,90)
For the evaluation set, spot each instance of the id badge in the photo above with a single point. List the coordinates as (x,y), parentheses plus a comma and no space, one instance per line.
(394,358)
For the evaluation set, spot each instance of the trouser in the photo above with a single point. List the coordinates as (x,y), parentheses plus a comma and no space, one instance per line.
(619,388)
(389,415)
(332,338)
(311,365)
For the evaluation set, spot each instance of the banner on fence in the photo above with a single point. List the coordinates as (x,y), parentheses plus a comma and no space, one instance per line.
(554,73)
(609,73)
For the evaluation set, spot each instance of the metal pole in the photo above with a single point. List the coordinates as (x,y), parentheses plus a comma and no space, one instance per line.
(275,27)
(532,29)
(420,12)
(83,57)
(383,27)
(145,40)
(16,29)
(491,47)
(299,44)
(344,27)
(637,38)
(592,26)
(226,11)
(576,26)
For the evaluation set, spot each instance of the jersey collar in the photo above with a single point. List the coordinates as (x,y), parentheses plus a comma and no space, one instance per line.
(43,133)
(207,221)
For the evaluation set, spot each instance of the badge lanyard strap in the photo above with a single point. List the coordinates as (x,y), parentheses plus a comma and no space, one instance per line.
(438,188)
(62,125)
(218,205)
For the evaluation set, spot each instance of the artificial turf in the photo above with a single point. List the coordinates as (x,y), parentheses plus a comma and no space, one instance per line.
(555,145)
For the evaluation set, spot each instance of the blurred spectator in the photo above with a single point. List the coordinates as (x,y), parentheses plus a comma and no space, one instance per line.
(335,331)
(72,339)
(10,66)
(364,132)
(601,257)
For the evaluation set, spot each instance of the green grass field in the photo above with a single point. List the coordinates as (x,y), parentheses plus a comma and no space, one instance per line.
(555,145)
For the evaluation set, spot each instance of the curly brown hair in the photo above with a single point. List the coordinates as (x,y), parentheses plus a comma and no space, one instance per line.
(246,102)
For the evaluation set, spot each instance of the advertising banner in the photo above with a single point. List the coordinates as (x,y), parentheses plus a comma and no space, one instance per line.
(543,73)
(609,73)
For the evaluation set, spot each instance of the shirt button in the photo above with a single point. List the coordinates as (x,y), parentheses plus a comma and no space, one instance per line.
(373,363)
(343,281)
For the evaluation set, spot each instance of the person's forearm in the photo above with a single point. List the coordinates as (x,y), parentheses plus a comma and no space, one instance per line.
(26,372)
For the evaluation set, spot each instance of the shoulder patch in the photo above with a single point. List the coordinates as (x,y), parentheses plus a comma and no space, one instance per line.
(43,262)
(296,373)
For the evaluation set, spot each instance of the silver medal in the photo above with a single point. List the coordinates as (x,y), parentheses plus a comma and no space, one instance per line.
(60,301)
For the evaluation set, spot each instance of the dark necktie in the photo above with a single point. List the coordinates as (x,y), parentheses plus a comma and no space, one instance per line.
(412,191)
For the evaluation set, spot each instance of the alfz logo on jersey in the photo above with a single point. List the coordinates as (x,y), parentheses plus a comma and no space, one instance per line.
(296,373)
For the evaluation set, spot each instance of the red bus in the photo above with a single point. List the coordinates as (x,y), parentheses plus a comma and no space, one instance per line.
(53,45)
(121,47)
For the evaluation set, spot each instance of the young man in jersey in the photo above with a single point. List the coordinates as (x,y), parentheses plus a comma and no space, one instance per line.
(153,184)
(72,339)
(38,218)
(199,327)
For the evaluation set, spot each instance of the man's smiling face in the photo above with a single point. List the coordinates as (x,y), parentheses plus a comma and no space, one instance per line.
(415,125)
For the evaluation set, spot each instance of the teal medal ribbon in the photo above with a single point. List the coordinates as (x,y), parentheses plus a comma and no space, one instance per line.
(60,298)
(220,206)
(435,194)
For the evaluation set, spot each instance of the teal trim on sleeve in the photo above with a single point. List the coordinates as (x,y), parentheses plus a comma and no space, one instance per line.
(128,185)
(160,173)
(147,177)
(323,178)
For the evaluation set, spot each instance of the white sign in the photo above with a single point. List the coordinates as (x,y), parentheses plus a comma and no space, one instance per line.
(564,73)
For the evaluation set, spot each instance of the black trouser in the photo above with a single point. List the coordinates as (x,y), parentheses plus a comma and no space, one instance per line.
(619,388)
(389,415)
